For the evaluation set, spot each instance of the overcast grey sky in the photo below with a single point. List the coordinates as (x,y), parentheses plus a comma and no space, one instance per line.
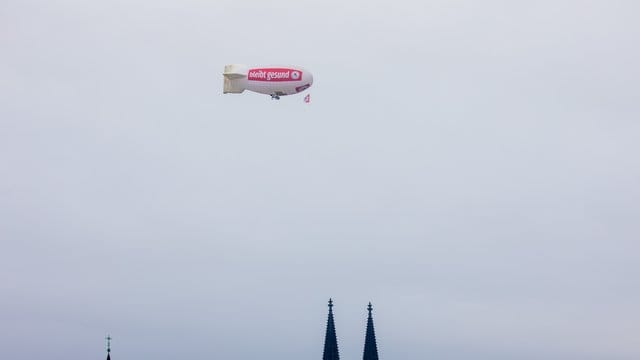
(470,167)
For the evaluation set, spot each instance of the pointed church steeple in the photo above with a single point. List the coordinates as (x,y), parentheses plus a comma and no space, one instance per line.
(108,338)
(330,339)
(370,346)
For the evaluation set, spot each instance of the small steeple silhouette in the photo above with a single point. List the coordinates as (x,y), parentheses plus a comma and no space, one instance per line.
(108,338)
(370,346)
(330,339)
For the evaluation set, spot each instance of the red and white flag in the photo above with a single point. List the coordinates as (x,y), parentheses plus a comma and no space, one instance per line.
(307,98)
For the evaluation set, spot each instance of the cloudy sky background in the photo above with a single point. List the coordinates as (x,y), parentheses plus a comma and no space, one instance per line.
(470,167)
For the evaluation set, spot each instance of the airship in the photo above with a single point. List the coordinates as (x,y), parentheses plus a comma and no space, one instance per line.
(270,80)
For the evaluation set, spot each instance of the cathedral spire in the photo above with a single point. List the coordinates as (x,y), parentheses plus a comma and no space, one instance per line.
(330,339)
(370,347)
(108,338)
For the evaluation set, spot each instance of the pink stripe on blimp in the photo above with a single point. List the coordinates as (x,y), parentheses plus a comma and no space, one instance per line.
(274,74)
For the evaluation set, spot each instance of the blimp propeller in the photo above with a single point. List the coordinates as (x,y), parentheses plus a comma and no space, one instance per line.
(270,80)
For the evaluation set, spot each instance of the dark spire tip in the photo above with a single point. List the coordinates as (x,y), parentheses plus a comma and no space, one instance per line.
(330,342)
(108,338)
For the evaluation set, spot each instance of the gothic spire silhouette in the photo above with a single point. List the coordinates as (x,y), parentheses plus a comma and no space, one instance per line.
(330,339)
(370,346)
(108,338)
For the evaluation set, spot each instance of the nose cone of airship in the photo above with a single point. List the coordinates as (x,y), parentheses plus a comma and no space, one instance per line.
(310,80)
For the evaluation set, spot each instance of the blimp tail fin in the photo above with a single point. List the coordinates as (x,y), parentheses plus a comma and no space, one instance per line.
(232,86)
(233,79)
